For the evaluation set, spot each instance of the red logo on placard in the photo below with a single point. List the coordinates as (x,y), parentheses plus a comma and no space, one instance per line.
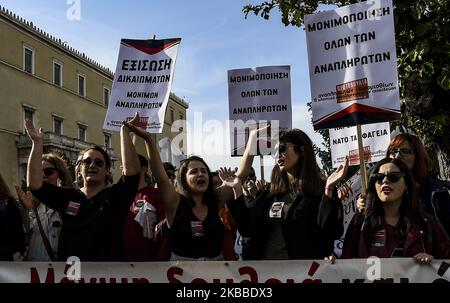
(353,90)
(353,156)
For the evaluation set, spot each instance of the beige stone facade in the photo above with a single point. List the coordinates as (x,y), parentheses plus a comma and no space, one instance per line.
(63,91)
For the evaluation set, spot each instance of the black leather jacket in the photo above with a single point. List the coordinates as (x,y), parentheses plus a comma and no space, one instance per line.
(309,228)
(435,200)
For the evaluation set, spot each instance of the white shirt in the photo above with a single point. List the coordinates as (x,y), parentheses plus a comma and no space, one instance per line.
(51,224)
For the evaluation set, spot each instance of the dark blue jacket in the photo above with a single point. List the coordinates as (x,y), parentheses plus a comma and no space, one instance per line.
(435,200)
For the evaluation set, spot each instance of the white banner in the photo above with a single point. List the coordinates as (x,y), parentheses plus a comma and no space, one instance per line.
(258,94)
(344,142)
(353,65)
(142,83)
(292,271)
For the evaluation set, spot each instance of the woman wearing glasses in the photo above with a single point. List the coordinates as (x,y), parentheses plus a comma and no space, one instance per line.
(93,216)
(433,193)
(298,217)
(44,222)
(393,224)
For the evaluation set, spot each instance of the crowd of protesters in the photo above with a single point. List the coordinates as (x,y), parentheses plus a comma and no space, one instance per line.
(158,212)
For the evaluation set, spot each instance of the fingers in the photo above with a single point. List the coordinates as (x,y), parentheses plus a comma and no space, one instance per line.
(331,259)
(345,165)
(135,118)
(260,185)
(361,204)
(423,258)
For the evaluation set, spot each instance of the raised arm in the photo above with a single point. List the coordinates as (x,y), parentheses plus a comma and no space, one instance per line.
(249,153)
(169,196)
(130,160)
(34,168)
(247,158)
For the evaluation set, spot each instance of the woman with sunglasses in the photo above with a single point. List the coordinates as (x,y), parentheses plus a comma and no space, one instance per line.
(298,217)
(393,224)
(93,216)
(44,222)
(433,193)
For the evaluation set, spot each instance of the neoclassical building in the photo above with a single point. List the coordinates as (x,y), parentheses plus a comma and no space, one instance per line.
(61,90)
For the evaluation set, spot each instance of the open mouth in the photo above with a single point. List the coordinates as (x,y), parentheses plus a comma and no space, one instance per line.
(91,173)
(201,181)
(386,189)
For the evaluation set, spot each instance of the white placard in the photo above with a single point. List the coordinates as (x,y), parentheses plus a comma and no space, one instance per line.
(344,142)
(353,65)
(255,95)
(142,83)
(349,205)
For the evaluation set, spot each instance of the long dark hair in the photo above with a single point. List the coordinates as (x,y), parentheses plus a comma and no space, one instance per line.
(209,197)
(410,210)
(308,177)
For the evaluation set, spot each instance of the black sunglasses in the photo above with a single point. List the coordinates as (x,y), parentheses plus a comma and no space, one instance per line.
(89,161)
(403,151)
(283,147)
(48,171)
(392,177)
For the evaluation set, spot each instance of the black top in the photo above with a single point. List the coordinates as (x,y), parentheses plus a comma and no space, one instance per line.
(310,227)
(12,237)
(193,238)
(92,228)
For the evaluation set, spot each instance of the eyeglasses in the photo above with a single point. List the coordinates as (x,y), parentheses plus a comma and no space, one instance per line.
(392,177)
(403,151)
(48,171)
(89,161)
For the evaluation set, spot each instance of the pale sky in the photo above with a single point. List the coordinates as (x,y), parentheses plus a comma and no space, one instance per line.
(215,38)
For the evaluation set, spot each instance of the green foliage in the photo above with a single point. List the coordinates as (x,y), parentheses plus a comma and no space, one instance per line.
(324,151)
(422,31)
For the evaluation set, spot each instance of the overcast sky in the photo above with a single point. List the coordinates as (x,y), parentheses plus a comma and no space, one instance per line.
(215,38)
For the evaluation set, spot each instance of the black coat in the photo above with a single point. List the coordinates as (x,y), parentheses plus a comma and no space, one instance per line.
(310,228)
(12,237)
(435,200)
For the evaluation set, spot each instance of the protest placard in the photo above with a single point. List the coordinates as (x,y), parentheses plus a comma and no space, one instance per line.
(257,96)
(344,142)
(353,65)
(142,83)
